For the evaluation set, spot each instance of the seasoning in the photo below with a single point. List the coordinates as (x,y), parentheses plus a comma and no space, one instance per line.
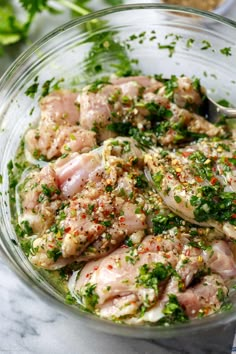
(206,5)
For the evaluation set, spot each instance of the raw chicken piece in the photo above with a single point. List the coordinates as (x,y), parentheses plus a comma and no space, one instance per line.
(221,259)
(103,209)
(79,169)
(59,108)
(114,99)
(204,298)
(87,218)
(186,93)
(142,83)
(58,131)
(40,196)
(75,173)
(194,180)
(116,277)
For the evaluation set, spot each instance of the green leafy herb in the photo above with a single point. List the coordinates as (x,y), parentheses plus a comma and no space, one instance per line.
(150,275)
(141,181)
(170,86)
(170,47)
(212,202)
(69,299)
(157,179)
(55,253)
(206,45)
(32,89)
(46,87)
(88,296)
(173,312)
(177,199)
(163,223)
(157,112)
(226,51)
(106,223)
(190,42)
(13,30)
(98,84)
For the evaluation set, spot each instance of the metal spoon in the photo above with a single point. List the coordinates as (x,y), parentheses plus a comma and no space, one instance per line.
(212,110)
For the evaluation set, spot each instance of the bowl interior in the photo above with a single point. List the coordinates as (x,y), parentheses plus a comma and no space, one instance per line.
(157,39)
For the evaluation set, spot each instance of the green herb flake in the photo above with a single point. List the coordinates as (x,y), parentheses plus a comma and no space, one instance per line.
(157,179)
(190,42)
(32,90)
(69,299)
(169,47)
(226,51)
(206,45)
(177,199)
(173,312)
(55,254)
(89,296)
(141,181)
(150,275)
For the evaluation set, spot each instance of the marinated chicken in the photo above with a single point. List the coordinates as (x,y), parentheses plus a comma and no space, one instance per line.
(129,200)
(198,183)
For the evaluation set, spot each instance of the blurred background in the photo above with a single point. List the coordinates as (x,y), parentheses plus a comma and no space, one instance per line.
(22,22)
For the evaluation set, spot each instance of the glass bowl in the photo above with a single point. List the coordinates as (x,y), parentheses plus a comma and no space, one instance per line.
(158,41)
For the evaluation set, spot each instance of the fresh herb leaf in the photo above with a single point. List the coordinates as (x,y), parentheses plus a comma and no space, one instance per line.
(150,275)
(173,312)
(163,223)
(226,51)
(88,296)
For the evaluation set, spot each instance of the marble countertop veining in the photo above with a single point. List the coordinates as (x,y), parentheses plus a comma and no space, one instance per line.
(29,325)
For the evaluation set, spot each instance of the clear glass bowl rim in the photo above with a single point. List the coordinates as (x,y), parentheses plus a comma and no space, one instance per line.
(91,320)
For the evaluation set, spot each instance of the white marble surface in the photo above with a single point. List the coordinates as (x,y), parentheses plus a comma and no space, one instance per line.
(29,325)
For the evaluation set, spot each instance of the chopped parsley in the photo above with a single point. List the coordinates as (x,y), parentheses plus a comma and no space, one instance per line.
(163,223)
(141,181)
(150,275)
(212,202)
(226,51)
(173,312)
(89,297)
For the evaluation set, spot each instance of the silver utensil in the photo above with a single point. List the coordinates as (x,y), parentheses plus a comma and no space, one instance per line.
(213,110)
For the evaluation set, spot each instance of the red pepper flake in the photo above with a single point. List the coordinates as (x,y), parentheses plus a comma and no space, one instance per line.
(122,219)
(186,153)
(83,216)
(67,229)
(87,275)
(95,268)
(158,248)
(213,180)
(50,246)
(124,246)
(198,179)
(109,266)
(143,250)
